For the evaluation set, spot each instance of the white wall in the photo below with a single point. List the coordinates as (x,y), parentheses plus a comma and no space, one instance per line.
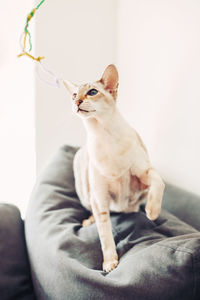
(17,144)
(156,45)
(78,39)
(159,62)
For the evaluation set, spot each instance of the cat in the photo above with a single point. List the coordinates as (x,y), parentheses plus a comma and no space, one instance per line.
(112,171)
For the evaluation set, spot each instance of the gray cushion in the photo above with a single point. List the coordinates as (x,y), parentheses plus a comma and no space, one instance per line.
(15,278)
(158,260)
(183,204)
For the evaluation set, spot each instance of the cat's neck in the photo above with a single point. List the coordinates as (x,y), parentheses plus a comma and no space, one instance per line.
(109,123)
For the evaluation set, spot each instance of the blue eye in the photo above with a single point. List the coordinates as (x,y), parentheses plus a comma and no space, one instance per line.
(92,92)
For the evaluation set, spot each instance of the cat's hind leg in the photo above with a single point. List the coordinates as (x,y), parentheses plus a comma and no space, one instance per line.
(88,221)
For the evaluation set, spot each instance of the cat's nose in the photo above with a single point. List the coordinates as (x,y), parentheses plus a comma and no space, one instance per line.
(78,102)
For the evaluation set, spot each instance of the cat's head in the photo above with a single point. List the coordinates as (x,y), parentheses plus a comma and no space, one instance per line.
(97,98)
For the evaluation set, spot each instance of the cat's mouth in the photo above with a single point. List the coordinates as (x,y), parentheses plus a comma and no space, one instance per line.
(87,111)
(79,109)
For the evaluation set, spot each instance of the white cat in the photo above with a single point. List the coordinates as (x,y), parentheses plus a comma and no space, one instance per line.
(112,171)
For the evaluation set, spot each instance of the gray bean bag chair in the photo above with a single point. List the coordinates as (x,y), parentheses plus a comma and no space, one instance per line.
(158,260)
(15,277)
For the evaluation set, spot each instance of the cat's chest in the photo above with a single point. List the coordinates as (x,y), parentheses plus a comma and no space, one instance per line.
(125,192)
(111,154)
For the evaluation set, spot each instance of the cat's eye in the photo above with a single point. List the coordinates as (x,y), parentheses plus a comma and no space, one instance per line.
(92,92)
(74,96)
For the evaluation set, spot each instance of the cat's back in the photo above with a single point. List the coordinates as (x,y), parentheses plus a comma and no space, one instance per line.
(80,159)
(80,167)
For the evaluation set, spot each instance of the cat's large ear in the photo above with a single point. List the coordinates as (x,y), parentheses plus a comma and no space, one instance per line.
(71,87)
(110,78)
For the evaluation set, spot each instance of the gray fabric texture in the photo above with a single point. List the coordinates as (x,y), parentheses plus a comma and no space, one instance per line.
(183,204)
(15,278)
(158,260)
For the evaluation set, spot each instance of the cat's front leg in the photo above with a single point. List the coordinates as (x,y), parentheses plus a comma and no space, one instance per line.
(155,193)
(104,227)
(99,202)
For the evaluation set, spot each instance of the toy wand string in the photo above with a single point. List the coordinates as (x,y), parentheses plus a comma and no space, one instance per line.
(24,52)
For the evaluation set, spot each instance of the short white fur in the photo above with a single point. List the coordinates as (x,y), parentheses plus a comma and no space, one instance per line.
(112,171)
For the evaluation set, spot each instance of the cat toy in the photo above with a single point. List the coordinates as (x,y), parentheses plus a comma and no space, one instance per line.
(25,52)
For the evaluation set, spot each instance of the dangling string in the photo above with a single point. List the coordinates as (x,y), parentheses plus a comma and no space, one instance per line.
(24,36)
(56,82)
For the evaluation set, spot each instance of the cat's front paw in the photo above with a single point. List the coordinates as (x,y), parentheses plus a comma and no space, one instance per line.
(154,201)
(153,207)
(152,212)
(111,264)
(88,221)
